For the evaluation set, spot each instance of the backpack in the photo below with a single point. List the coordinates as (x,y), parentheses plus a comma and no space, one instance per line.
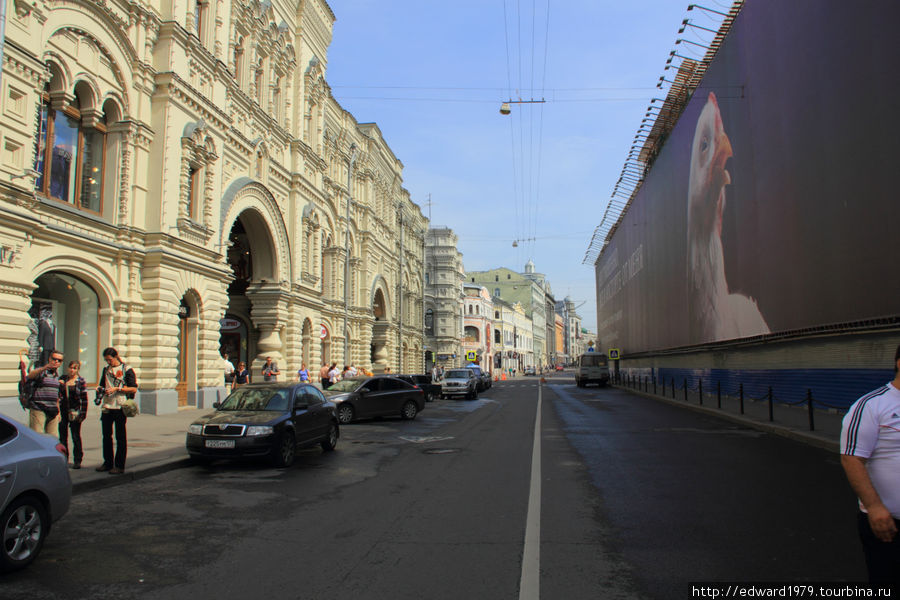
(26,387)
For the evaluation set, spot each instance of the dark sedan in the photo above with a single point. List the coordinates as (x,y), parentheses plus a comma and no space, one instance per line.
(362,397)
(265,420)
(432,390)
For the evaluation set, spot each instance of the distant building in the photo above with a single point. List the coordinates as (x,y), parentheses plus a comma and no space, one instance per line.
(532,291)
(444,277)
(513,338)
(477,325)
(573,345)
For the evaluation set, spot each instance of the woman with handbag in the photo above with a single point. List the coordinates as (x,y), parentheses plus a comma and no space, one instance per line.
(241,376)
(118,384)
(73,405)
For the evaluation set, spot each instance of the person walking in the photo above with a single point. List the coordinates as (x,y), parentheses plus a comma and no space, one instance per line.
(323,375)
(270,370)
(241,376)
(333,374)
(870,456)
(73,407)
(117,384)
(43,411)
(303,374)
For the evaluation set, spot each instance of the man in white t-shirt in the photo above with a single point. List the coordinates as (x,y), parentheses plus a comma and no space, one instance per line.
(870,455)
(228,366)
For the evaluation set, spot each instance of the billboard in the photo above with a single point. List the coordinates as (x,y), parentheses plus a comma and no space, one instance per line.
(771,206)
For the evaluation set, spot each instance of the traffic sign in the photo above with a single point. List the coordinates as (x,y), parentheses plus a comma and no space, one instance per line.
(471,356)
(614,354)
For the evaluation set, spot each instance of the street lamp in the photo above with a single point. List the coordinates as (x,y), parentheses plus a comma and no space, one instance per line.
(350,161)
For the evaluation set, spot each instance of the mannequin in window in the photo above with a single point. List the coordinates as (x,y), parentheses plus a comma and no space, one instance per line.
(46,334)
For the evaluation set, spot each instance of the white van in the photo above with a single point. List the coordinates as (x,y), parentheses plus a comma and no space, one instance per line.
(592,368)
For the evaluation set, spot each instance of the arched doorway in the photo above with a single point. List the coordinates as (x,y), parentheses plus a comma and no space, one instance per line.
(186,371)
(64,315)
(379,349)
(255,297)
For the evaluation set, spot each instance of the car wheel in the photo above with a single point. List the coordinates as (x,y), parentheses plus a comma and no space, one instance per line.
(24,526)
(331,439)
(286,450)
(409,410)
(345,413)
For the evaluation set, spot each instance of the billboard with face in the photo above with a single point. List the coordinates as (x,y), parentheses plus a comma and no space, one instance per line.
(771,207)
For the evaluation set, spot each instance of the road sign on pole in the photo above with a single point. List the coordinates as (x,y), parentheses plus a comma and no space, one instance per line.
(613,354)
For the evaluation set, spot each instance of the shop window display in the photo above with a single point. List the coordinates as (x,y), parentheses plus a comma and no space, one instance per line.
(64,314)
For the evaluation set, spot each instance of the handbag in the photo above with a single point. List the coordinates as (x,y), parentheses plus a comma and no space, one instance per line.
(129,408)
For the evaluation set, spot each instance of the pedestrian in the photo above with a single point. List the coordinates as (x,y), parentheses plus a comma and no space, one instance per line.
(73,406)
(270,370)
(323,375)
(43,411)
(117,384)
(241,376)
(870,455)
(228,366)
(303,374)
(352,371)
(333,374)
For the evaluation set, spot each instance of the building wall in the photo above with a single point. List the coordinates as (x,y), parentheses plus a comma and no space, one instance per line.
(216,135)
(444,296)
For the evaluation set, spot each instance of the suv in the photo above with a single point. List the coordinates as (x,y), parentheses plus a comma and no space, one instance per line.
(483,377)
(460,382)
(592,368)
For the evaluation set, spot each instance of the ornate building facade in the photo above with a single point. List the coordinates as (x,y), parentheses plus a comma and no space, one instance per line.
(176,179)
(444,276)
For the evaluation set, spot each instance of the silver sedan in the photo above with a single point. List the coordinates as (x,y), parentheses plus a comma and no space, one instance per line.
(35,490)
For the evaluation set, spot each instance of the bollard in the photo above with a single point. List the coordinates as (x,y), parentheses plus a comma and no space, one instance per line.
(771,415)
(741,392)
(673,387)
(809,408)
(654,386)
(700,389)
(719,393)
(685,389)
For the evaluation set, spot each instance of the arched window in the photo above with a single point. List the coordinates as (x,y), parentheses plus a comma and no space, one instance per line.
(201,9)
(496,336)
(71,151)
(429,322)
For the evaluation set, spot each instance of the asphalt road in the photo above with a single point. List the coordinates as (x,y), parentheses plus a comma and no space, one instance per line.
(637,498)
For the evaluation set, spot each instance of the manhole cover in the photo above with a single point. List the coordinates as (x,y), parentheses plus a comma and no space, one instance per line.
(441,451)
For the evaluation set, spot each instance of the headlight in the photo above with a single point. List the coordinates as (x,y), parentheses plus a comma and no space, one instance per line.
(255,430)
(195,429)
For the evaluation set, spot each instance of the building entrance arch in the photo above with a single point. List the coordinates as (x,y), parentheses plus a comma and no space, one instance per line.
(257,252)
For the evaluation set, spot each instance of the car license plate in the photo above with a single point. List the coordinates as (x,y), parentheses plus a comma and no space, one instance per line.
(219,443)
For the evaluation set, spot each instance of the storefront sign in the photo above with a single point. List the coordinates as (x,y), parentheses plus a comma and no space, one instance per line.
(229,324)
(324,333)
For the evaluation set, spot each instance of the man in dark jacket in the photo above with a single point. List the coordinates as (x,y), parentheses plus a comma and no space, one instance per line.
(43,411)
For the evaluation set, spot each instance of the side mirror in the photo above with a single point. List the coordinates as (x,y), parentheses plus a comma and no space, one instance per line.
(301,407)
(363,391)
(216,405)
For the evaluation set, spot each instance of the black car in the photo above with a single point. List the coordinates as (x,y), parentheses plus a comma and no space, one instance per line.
(432,390)
(265,420)
(361,397)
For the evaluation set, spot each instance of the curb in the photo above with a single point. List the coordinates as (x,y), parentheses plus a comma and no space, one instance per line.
(107,481)
(782,430)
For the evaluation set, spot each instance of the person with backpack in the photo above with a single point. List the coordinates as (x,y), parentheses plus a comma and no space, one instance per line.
(43,406)
(117,383)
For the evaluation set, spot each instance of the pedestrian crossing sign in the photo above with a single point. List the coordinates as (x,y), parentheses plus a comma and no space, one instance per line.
(614,354)
(471,356)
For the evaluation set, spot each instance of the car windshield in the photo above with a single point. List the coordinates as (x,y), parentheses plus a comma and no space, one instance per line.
(593,360)
(257,399)
(457,374)
(346,385)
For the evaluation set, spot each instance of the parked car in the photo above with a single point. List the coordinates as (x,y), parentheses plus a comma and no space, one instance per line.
(268,420)
(559,367)
(35,491)
(529,371)
(362,397)
(423,382)
(483,377)
(460,382)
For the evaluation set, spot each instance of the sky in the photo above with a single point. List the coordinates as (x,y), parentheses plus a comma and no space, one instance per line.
(433,76)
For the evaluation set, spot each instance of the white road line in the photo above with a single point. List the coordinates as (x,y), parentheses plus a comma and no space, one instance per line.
(530,582)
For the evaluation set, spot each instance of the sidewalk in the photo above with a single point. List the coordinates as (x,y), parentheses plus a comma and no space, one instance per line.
(788,421)
(155,445)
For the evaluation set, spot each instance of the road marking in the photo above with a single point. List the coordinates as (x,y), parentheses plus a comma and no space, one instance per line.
(530,582)
(424,440)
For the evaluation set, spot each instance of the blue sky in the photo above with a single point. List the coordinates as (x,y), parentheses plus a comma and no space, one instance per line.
(432,75)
